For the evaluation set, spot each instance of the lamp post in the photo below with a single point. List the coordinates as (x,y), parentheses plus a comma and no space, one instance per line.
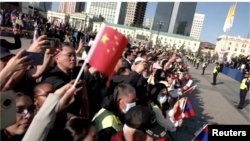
(161,24)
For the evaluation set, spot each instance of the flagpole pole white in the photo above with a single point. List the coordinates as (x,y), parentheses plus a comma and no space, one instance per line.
(80,73)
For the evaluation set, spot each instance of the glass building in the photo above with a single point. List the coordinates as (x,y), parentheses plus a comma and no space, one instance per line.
(176,16)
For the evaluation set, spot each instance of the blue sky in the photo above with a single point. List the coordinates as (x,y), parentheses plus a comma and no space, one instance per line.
(215,15)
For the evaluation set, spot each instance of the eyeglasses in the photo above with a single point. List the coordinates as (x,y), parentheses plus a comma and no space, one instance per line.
(70,55)
(24,112)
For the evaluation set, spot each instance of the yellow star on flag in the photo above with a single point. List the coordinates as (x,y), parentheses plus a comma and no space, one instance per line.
(104,38)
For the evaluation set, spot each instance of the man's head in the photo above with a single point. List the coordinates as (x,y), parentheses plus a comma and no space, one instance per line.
(41,92)
(125,96)
(246,74)
(141,125)
(66,59)
(129,55)
(5,57)
(123,71)
(120,63)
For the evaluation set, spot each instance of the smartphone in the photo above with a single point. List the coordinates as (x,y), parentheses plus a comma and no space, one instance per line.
(36,57)
(53,42)
(8,108)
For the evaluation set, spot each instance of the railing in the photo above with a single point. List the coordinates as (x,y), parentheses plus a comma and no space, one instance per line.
(233,73)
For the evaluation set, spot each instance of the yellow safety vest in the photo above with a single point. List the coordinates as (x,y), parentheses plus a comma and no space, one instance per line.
(243,85)
(105,119)
(198,61)
(204,64)
(215,69)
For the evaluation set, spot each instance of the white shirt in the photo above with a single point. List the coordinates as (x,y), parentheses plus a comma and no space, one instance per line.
(91,42)
(84,55)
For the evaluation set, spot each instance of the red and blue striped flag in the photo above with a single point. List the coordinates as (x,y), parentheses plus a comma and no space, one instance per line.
(203,136)
(188,110)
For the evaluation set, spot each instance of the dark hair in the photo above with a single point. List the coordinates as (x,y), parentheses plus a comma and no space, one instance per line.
(127,53)
(154,94)
(138,53)
(143,54)
(76,129)
(121,70)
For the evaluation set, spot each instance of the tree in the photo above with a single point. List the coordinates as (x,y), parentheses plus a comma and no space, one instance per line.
(199,52)
(208,54)
(174,47)
(225,56)
(129,37)
(182,50)
(150,44)
(216,56)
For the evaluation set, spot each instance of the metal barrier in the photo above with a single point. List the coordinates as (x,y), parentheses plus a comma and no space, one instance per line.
(233,73)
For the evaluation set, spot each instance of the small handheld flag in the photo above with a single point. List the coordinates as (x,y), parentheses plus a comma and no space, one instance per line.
(188,110)
(190,90)
(203,135)
(177,114)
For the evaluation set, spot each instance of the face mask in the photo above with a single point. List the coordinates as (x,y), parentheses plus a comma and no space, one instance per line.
(162,99)
(128,106)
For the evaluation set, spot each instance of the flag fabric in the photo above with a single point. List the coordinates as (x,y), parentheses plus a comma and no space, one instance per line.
(203,135)
(177,114)
(230,17)
(107,50)
(186,77)
(188,110)
(190,90)
(173,77)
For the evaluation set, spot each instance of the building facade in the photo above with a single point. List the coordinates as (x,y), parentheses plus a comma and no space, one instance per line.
(234,46)
(148,23)
(81,20)
(207,47)
(140,36)
(57,17)
(176,16)
(135,13)
(113,12)
(197,25)
(71,7)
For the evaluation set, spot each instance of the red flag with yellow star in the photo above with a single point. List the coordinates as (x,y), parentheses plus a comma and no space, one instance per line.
(107,50)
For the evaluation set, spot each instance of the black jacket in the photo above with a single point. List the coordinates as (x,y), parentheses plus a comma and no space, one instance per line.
(94,84)
(127,65)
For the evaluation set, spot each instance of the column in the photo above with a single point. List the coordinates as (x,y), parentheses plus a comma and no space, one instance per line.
(247,47)
(239,49)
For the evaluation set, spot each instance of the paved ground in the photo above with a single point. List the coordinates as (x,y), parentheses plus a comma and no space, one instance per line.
(213,104)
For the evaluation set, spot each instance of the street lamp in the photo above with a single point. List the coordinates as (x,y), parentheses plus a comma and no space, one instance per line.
(161,24)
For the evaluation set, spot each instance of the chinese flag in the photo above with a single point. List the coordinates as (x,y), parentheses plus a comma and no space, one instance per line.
(107,50)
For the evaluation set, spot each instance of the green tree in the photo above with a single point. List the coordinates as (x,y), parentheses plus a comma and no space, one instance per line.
(216,56)
(199,52)
(129,37)
(225,56)
(182,50)
(174,47)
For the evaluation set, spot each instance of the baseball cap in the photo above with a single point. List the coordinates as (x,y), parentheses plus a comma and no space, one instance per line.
(139,59)
(5,52)
(156,66)
(144,119)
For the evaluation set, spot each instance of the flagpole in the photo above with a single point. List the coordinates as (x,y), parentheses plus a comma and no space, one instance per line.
(80,73)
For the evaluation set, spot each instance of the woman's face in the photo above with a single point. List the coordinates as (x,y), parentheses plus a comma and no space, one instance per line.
(169,80)
(91,134)
(23,120)
(163,92)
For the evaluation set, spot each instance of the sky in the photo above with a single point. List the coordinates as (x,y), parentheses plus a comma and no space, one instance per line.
(215,16)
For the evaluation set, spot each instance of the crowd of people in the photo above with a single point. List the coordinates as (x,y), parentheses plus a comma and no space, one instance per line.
(138,101)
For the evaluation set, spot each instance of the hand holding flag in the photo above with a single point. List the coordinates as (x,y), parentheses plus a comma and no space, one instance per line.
(105,51)
(190,90)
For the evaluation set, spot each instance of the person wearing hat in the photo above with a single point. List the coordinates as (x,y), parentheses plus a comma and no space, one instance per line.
(244,88)
(204,65)
(197,62)
(140,125)
(215,73)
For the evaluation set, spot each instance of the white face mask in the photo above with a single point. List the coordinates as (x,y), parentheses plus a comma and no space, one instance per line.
(128,106)
(162,99)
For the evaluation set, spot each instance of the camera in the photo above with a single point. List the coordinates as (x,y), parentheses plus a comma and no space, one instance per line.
(8,108)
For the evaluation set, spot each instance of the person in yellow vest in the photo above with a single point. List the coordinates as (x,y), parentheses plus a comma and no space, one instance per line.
(110,118)
(197,62)
(194,61)
(215,73)
(204,65)
(244,88)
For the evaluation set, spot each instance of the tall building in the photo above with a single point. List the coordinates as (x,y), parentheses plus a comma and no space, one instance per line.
(148,23)
(112,12)
(197,25)
(234,46)
(45,6)
(135,13)
(176,16)
(71,7)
